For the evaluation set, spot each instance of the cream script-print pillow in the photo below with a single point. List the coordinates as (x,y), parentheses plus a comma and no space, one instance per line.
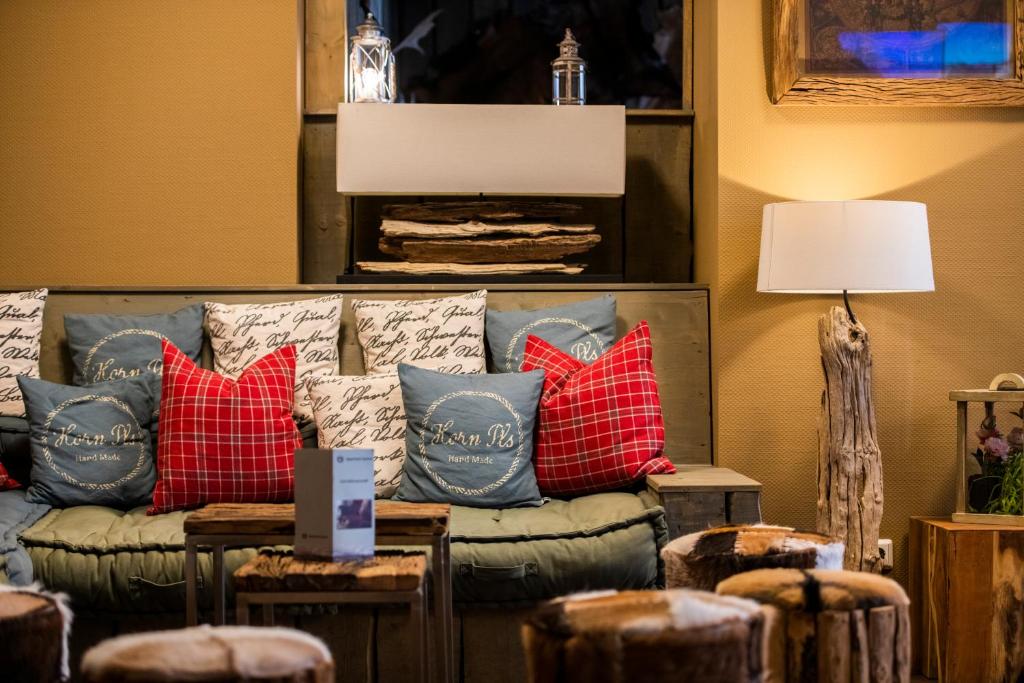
(243,333)
(446,334)
(21,326)
(363,411)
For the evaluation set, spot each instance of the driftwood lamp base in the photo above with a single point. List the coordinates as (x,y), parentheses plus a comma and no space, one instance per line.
(849,461)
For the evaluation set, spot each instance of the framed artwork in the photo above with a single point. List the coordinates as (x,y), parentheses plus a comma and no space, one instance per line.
(916,52)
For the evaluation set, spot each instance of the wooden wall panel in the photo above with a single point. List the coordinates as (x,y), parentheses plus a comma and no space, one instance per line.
(678,317)
(326,216)
(326,48)
(659,240)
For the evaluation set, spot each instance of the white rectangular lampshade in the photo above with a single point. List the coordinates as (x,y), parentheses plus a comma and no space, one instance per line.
(858,246)
(492,149)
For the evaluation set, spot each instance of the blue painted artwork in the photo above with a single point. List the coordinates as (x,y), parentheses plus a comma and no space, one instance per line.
(902,40)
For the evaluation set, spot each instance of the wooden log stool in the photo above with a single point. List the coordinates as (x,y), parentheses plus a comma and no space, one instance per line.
(702,559)
(829,625)
(636,636)
(33,646)
(206,653)
(390,577)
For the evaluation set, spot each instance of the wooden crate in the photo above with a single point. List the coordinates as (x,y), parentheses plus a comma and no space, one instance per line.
(1005,388)
(697,497)
(967,600)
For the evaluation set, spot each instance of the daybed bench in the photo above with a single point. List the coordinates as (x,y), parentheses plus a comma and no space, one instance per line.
(124,570)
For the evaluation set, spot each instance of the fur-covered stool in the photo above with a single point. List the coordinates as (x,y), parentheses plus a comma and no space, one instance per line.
(34,628)
(223,654)
(829,625)
(702,559)
(636,636)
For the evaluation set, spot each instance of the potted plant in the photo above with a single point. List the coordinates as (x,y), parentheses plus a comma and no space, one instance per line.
(997,488)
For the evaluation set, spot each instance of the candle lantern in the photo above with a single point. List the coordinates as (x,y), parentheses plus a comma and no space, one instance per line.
(568,73)
(371,64)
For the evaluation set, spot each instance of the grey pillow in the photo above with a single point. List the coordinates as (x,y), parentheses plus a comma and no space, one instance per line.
(584,330)
(91,445)
(107,347)
(469,438)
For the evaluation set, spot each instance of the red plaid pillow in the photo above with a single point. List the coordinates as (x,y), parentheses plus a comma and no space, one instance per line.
(222,440)
(600,425)
(7,482)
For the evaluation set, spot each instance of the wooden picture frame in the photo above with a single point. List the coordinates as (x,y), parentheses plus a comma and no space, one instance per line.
(788,84)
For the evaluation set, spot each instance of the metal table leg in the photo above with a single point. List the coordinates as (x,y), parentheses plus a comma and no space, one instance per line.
(241,611)
(219,602)
(449,616)
(418,619)
(191,592)
(442,590)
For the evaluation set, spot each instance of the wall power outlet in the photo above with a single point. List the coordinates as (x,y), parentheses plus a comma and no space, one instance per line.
(885,550)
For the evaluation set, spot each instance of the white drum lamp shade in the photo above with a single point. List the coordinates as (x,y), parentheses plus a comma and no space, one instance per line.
(836,246)
(452,149)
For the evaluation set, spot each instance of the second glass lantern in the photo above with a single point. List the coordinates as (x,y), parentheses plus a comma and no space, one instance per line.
(371,64)
(568,73)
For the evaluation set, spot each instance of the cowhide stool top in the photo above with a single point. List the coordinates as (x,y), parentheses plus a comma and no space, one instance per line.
(829,625)
(205,653)
(702,559)
(637,636)
(34,630)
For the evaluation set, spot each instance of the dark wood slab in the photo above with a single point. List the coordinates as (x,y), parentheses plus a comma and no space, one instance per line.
(393,518)
(501,250)
(390,227)
(458,212)
(276,572)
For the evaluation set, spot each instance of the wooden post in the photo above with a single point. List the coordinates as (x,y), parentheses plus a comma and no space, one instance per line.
(849,461)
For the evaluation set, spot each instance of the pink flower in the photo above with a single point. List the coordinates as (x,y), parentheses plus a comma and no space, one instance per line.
(988,430)
(996,448)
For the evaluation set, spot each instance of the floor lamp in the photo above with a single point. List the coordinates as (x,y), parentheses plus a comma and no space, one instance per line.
(846,247)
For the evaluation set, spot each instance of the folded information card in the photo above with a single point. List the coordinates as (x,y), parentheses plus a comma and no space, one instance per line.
(334,504)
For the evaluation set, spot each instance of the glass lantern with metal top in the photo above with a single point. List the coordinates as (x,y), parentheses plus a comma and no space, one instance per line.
(371,64)
(568,73)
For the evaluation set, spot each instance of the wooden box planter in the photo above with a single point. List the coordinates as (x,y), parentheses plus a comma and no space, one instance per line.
(1006,388)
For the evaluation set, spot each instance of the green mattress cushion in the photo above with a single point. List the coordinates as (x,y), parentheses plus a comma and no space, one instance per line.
(112,560)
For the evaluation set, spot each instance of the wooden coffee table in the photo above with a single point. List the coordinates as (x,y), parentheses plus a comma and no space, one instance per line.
(235,525)
(389,578)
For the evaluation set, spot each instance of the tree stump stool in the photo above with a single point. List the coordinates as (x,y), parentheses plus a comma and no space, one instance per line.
(223,654)
(637,636)
(703,559)
(32,641)
(829,625)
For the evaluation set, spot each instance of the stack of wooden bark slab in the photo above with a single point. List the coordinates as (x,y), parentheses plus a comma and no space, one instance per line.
(482,238)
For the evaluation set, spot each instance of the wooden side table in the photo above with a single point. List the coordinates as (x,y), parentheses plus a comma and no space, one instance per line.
(235,525)
(966,587)
(271,579)
(697,497)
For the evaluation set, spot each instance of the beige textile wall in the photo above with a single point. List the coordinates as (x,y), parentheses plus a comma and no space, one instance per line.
(967,164)
(148,142)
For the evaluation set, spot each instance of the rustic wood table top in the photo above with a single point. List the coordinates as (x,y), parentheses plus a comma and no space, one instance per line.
(393,518)
(278,572)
